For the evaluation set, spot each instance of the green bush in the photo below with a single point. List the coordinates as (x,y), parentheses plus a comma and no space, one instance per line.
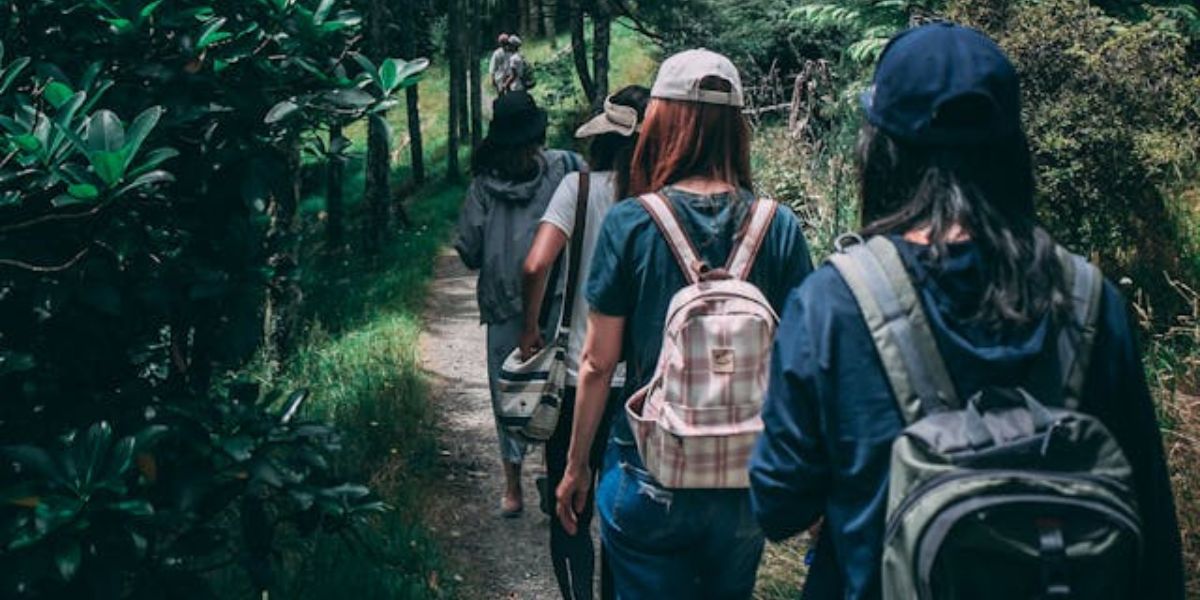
(1112,109)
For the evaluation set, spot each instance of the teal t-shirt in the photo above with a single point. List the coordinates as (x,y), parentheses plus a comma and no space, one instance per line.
(634,274)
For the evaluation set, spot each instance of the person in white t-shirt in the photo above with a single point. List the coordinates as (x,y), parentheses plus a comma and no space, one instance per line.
(613,135)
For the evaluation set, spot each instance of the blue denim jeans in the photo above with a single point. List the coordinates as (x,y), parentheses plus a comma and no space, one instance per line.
(674,543)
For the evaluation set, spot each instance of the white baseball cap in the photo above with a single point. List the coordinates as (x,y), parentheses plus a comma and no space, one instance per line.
(679,78)
(616,118)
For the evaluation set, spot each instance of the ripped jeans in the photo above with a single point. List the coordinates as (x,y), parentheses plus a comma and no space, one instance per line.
(674,543)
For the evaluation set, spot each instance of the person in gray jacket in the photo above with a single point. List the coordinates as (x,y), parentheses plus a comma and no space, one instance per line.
(514,178)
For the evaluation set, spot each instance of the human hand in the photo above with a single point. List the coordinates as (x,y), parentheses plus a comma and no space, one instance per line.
(529,343)
(572,496)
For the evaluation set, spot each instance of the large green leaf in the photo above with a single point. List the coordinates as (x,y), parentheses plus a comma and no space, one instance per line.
(281,111)
(211,33)
(9,74)
(109,166)
(57,93)
(322,11)
(151,161)
(138,130)
(105,133)
(83,191)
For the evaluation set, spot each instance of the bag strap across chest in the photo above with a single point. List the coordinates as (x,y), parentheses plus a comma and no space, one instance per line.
(575,250)
(905,343)
(741,258)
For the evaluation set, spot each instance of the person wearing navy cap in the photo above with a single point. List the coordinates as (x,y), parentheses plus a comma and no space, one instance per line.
(946,180)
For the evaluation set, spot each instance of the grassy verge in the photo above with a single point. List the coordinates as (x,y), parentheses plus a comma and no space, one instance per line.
(362,367)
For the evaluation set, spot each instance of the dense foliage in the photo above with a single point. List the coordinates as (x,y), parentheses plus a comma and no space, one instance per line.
(149,179)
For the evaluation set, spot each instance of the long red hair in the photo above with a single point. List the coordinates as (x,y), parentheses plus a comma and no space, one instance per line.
(689,139)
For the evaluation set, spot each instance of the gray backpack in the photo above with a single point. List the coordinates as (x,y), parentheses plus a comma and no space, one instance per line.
(1012,493)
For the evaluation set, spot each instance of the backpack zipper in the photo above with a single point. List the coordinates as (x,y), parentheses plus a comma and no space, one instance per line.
(893,524)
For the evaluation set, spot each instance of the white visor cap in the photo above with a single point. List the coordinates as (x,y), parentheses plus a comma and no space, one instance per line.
(616,118)
(679,78)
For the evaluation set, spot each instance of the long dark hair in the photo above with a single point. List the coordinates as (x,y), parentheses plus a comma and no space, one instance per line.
(613,151)
(987,190)
(507,161)
(684,139)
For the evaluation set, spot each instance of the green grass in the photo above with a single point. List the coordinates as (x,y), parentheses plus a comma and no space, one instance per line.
(361,364)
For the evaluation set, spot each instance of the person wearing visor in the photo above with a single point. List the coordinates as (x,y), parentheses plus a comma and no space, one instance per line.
(613,135)
(694,151)
(947,188)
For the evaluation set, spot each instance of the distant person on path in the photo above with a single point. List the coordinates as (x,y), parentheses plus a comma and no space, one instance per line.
(946,181)
(614,135)
(518,76)
(514,178)
(498,66)
(694,151)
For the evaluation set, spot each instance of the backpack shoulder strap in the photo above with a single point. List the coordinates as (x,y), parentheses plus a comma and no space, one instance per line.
(664,216)
(1075,341)
(750,239)
(892,310)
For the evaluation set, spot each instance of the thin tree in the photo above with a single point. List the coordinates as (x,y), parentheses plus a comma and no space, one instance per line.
(413,33)
(378,176)
(579,49)
(549,15)
(284,296)
(334,178)
(474,78)
(453,54)
(601,40)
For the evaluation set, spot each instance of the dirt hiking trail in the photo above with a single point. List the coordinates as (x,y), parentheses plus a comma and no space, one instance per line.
(492,557)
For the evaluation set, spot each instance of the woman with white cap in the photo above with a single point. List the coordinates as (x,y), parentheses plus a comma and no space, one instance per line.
(694,155)
(614,135)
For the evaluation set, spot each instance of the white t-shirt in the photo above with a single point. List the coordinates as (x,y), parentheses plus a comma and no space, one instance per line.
(561,214)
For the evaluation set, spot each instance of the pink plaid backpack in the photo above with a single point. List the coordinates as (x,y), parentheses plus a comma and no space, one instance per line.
(698,419)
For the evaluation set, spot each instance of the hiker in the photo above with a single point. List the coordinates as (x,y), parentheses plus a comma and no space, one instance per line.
(959,316)
(614,135)
(691,168)
(518,75)
(514,178)
(498,66)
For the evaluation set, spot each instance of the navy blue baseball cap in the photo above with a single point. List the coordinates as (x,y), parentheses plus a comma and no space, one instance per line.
(944,84)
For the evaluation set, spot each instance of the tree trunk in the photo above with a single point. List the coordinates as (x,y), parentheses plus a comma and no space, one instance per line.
(474,78)
(334,173)
(412,32)
(283,294)
(378,192)
(523,27)
(549,13)
(453,53)
(378,177)
(579,49)
(601,38)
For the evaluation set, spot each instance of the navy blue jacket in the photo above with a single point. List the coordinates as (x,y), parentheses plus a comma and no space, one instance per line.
(831,418)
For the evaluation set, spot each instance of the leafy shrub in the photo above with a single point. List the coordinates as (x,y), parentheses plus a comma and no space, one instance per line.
(755,34)
(148,197)
(1112,109)
(203,485)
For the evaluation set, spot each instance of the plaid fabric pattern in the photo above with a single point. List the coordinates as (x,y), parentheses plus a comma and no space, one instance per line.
(698,419)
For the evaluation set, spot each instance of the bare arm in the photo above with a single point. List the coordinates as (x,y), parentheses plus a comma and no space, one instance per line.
(547,245)
(601,353)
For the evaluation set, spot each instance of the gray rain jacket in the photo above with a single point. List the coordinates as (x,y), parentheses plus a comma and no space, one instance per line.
(496,229)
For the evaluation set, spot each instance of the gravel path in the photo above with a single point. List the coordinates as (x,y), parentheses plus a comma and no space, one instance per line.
(496,558)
